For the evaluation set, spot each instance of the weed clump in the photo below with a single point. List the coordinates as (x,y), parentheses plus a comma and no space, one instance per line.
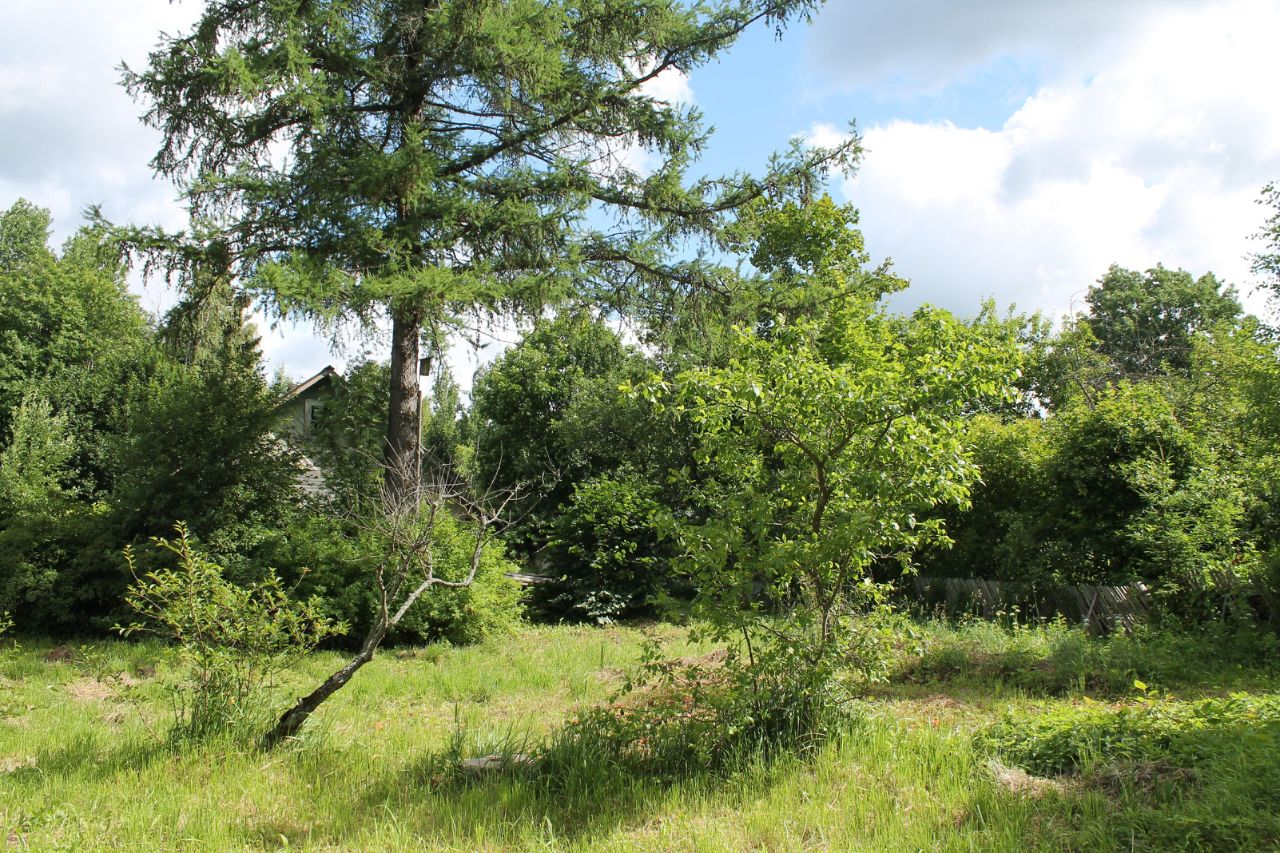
(232,641)
(1072,739)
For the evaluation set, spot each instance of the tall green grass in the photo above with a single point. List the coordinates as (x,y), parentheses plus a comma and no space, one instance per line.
(82,766)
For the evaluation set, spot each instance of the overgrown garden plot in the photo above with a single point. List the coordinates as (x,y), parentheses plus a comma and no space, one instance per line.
(929,760)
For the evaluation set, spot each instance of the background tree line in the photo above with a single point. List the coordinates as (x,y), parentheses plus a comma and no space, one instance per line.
(1139,441)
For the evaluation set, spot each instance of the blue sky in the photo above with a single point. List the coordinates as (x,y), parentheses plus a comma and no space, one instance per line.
(1015,148)
(767,89)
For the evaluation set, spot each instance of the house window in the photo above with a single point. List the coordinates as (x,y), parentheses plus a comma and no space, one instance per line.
(312,408)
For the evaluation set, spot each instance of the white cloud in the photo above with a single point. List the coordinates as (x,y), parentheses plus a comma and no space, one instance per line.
(71,136)
(671,87)
(1156,158)
(823,135)
(922,45)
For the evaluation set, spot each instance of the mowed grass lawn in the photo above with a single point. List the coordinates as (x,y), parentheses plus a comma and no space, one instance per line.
(83,763)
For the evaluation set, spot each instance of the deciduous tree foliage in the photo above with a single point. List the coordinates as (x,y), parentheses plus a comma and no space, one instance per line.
(525,407)
(826,442)
(1145,322)
(1267,262)
(550,414)
(64,319)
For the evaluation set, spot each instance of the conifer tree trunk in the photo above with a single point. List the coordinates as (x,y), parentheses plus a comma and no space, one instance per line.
(402,466)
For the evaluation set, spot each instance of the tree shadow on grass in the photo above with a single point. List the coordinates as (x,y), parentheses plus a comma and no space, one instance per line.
(88,755)
(567,791)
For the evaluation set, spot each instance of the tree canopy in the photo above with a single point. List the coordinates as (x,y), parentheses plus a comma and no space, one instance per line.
(1145,321)
(434,160)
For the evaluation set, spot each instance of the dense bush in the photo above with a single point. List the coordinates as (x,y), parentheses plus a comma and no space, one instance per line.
(188,443)
(488,606)
(996,535)
(196,444)
(605,553)
(1109,493)
(1095,478)
(592,462)
(37,503)
(338,559)
(1151,457)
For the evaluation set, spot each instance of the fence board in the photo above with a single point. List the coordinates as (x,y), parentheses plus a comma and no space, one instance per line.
(1100,609)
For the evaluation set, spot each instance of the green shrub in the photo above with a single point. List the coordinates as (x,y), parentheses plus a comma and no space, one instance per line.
(196,445)
(750,701)
(341,560)
(463,615)
(605,552)
(232,641)
(539,419)
(1191,541)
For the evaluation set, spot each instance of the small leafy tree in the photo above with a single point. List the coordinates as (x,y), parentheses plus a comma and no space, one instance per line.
(232,640)
(826,444)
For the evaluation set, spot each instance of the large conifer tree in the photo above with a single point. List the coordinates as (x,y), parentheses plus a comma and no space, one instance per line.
(427,159)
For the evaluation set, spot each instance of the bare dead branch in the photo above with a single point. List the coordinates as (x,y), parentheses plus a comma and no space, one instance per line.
(405,521)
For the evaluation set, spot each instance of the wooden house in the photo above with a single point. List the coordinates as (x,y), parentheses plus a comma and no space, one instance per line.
(305,400)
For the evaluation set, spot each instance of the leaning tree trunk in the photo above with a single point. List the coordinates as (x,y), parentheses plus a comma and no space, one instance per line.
(289,723)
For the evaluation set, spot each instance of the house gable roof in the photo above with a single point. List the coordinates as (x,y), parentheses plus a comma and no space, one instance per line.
(307,384)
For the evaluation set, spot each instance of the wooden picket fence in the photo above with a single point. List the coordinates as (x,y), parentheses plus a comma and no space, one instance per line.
(1101,609)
